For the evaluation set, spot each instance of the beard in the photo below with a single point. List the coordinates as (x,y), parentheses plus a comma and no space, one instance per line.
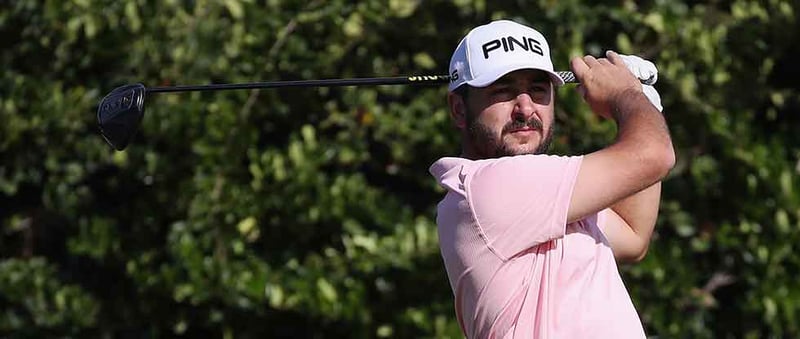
(489,145)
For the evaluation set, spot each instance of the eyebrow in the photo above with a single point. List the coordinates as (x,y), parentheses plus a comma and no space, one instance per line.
(506,79)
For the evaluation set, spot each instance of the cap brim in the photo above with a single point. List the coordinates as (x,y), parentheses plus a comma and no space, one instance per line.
(488,78)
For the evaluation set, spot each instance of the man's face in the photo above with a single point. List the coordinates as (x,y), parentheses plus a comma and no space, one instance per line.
(512,116)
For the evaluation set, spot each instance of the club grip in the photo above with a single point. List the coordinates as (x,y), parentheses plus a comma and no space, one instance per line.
(569,78)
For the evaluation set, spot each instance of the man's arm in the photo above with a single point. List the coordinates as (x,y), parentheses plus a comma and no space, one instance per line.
(641,156)
(629,224)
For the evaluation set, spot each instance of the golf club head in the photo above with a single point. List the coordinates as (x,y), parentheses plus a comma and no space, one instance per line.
(120,113)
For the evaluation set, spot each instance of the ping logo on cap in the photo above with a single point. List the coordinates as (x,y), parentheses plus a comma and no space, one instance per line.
(454,75)
(489,51)
(527,44)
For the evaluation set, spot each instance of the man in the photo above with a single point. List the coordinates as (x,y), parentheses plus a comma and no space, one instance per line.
(530,240)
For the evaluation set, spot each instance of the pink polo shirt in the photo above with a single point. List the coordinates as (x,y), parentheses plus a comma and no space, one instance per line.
(517,269)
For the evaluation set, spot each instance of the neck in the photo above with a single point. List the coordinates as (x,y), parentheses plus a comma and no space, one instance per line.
(468,150)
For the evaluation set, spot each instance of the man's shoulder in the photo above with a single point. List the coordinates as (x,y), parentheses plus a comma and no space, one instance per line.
(440,167)
(449,166)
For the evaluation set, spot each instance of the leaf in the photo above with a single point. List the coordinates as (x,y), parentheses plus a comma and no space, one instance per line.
(235,7)
(326,290)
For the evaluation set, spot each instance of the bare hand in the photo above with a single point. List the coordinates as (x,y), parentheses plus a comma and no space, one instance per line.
(604,81)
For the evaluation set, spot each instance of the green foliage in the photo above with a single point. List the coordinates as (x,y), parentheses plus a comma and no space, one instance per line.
(40,302)
(310,212)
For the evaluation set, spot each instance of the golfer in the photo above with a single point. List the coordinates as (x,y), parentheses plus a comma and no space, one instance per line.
(529,240)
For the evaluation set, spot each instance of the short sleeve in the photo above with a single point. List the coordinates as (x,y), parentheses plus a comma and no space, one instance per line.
(602,220)
(521,201)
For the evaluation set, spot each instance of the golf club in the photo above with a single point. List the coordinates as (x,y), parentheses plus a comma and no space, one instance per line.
(120,112)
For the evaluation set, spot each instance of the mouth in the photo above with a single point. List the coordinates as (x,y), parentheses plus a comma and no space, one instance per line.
(525,130)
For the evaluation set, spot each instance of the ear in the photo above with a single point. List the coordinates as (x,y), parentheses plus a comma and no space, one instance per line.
(458,110)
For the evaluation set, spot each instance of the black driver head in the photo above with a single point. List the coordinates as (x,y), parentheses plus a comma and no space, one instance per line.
(120,113)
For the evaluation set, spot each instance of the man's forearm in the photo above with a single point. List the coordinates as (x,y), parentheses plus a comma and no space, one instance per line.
(640,212)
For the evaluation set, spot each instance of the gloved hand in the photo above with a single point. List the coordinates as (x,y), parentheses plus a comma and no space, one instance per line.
(641,68)
(653,96)
(648,73)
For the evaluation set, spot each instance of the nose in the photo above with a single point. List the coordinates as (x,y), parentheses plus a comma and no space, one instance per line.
(524,107)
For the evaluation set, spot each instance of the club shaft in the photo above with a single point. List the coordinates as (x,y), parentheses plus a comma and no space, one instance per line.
(405,80)
(409,80)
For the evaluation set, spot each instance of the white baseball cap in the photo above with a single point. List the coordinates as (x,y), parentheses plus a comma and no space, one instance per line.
(491,51)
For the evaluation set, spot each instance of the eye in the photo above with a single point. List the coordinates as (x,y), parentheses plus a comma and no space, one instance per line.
(501,90)
(539,88)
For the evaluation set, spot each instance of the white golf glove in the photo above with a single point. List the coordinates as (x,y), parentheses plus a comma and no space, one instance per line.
(653,96)
(648,73)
